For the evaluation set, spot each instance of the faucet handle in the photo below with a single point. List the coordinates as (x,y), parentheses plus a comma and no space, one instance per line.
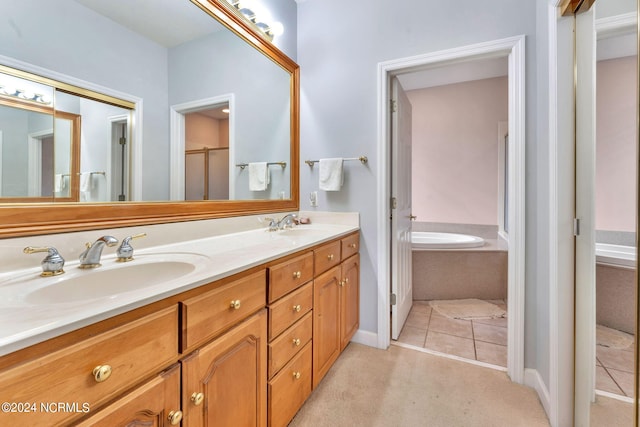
(52,264)
(125,250)
(273,223)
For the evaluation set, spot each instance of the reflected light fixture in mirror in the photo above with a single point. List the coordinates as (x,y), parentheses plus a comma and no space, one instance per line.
(259,17)
(21,219)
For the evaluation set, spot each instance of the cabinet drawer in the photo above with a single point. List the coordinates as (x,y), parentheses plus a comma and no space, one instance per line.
(283,348)
(206,315)
(147,404)
(350,245)
(132,351)
(326,257)
(287,276)
(290,388)
(289,309)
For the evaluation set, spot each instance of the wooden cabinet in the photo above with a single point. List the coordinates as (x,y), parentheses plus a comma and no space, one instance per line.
(242,351)
(155,403)
(92,371)
(336,314)
(225,382)
(290,337)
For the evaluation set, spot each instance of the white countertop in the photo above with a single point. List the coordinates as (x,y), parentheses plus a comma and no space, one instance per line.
(24,323)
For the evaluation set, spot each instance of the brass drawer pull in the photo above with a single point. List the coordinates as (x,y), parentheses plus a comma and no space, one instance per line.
(296,342)
(235,304)
(341,283)
(297,274)
(330,257)
(297,308)
(197,398)
(352,245)
(175,417)
(346,281)
(101,373)
(296,375)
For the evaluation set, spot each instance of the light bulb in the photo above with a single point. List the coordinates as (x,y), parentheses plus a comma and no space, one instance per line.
(277,28)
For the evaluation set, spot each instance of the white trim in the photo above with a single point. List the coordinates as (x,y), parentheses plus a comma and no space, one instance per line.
(34,163)
(512,47)
(561,193)
(533,379)
(616,25)
(503,133)
(614,396)
(136,154)
(177,142)
(365,337)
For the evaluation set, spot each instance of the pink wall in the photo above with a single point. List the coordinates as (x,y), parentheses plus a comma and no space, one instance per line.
(615,144)
(203,131)
(455,151)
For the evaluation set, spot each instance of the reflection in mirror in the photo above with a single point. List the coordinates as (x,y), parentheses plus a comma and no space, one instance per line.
(165,56)
(207,153)
(616,112)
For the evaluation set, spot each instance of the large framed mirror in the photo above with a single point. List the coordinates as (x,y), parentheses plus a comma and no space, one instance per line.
(135,112)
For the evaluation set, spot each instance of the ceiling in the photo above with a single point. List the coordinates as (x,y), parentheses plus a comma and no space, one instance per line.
(167,22)
(455,73)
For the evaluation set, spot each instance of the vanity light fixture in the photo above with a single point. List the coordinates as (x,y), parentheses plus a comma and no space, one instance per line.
(25,95)
(259,17)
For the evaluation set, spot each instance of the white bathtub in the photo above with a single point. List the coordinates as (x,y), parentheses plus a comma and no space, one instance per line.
(616,254)
(421,240)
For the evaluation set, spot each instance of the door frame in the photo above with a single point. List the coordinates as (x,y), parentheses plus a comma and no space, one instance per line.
(177,141)
(514,49)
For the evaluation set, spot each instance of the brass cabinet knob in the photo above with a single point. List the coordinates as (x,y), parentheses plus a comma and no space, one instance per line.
(235,304)
(296,375)
(330,257)
(352,245)
(296,342)
(341,283)
(346,281)
(297,274)
(175,417)
(197,398)
(101,373)
(297,308)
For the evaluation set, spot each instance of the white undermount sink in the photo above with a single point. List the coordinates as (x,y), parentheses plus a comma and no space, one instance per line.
(110,280)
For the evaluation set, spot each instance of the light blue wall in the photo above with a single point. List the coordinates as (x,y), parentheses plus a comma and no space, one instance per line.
(339,47)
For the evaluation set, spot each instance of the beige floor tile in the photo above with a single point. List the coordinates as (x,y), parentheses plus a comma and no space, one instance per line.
(499,321)
(605,383)
(624,380)
(616,359)
(418,317)
(450,344)
(489,333)
(413,336)
(491,353)
(459,328)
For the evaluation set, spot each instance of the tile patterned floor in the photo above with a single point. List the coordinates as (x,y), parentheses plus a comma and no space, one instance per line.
(484,340)
(614,370)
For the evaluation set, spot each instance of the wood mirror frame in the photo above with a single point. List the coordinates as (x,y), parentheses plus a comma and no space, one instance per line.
(46,218)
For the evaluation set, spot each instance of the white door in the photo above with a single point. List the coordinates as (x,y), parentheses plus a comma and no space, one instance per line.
(401,282)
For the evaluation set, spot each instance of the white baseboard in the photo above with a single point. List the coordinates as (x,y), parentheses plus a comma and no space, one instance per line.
(366,338)
(533,379)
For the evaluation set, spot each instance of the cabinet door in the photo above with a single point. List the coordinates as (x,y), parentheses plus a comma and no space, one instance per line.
(225,382)
(349,299)
(326,322)
(152,404)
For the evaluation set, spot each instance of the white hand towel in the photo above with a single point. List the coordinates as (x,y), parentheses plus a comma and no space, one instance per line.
(58,183)
(258,176)
(85,182)
(331,174)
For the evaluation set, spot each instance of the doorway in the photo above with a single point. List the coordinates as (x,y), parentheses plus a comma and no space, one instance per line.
(459,167)
(513,50)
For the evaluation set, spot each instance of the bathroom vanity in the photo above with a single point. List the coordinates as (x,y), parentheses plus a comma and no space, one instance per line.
(241,339)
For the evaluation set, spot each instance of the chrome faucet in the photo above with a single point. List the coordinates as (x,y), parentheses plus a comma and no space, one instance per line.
(287,221)
(90,258)
(125,250)
(52,264)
